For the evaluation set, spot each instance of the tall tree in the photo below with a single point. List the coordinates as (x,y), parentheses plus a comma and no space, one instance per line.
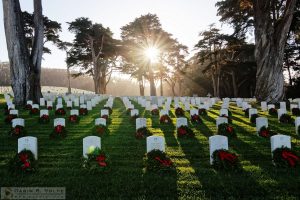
(94,51)
(271,20)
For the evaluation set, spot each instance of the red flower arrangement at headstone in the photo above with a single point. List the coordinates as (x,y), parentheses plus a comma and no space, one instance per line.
(158,161)
(155,112)
(34,111)
(10,117)
(272,111)
(83,111)
(226,130)
(142,133)
(179,111)
(101,130)
(74,119)
(185,131)
(60,111)
(165,119)
(23,162)
(223,159)
(285,157)
(18,131)
(296,111)
(44,119)
(97,160)
(28,107)
(49,107)
(265,132)
(202,111)
(59,132)
(196,119)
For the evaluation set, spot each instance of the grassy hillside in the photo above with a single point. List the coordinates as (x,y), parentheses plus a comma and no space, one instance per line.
(60,160)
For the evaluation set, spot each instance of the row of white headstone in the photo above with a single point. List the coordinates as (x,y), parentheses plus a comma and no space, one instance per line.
(216,142)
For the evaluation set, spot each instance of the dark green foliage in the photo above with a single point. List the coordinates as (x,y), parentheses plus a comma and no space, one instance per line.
(225,160)
(158,161)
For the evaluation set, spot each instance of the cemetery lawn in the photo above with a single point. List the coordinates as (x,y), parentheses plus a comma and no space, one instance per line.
(60,160)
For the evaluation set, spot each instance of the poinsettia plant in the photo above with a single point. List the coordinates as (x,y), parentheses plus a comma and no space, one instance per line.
(18,131)
(155,111)
(10,117)
(101,130)
(285,157)
(296,111)
(74,119)
(265,132)
(59,132)
(226,130)
(179,111)
(60,111)
(97,161)
(23,162)
(34,111)
(196,119)
(44,119)
(272,111)
(224,159)
(142,133)
(158,161)
(253,118)
(83,111)
(165,119)
(185,132)
(202,111)
(285,119)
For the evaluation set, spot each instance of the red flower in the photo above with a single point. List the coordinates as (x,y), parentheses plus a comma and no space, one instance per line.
(290,157)
(229,129)
(23,157)
(101,160)
(17,130)
(227,156)
(166,163)
(26,165)
(105,117)
(182,131)
(59,129)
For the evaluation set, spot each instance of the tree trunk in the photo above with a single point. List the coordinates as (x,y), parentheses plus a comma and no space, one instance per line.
(152,84)
(214,84)
(34,93)
(96,79)
(173,90)
(17,52)
(69,80)
(234,85)
(103,83)
(270,40)
(161,87)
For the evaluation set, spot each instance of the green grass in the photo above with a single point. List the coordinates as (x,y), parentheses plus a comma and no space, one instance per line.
(60,160)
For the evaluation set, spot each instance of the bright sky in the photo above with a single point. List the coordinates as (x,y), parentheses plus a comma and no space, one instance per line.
(182,18)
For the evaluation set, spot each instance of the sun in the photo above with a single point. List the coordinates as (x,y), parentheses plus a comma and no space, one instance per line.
(152,54)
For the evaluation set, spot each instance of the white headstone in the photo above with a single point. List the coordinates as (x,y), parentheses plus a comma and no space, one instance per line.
(224,111)
(271,106)
(89,105)
(264,106)
(76,102)
(49,103)
(260,122)
(252,111)
(29,102)
(69,104)
(163,112)
(140,123)
(74,112)
(59,121)
(14,112)
(283,105)
(278,141)
(18,122)
(187,106)
(100,121)
(217,142)
(155,142)
(90,143)
(28,143)
(104,112)
(221,120)
(58,106)
(134,112)
(36,106)
(81,99)
(281,112)
(44,112)
(194,112)
(59,100)
(181,121)
(42,102)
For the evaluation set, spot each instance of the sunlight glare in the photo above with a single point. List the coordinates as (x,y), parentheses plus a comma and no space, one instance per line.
(152,54)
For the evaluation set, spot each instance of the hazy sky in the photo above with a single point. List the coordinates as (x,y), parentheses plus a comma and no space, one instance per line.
(182,18)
